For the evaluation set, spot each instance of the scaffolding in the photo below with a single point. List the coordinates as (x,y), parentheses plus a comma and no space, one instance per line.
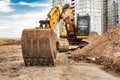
(105,16)
(110,14)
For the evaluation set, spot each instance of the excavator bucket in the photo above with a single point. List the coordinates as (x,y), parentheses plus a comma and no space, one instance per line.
(39,47)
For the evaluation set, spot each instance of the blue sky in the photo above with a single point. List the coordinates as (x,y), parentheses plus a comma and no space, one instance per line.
(16,15)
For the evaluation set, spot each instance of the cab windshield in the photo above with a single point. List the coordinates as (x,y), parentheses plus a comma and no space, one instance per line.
(82,23)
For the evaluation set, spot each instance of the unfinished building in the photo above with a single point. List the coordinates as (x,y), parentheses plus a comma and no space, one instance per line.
(110,14)
(104,14)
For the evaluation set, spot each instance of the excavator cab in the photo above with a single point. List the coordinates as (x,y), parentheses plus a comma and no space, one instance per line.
(83,26)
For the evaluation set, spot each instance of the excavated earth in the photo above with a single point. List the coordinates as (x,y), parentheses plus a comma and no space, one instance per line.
(12,68)
(104,50)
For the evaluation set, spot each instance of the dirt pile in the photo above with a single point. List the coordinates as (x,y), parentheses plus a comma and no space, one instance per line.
(11,49)
(93,35)
(103,50)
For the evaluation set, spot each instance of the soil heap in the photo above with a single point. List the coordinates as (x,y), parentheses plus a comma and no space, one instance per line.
(105,49)
(93,35)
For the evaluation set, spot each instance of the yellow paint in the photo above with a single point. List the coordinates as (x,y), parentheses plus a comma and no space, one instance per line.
(63,32)
(82,37)
(54,16)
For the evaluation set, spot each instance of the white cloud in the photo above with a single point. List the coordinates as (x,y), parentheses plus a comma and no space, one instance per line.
(12,26)
(5,6)
(34,4)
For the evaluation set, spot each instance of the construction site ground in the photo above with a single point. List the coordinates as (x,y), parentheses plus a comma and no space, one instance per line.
(12,68)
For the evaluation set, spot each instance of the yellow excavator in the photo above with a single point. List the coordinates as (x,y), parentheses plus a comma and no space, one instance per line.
(40,45)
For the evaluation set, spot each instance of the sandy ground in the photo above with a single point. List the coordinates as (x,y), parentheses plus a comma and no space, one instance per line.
(12,68)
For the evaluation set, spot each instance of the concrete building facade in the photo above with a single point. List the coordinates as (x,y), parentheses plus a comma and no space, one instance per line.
(110,14)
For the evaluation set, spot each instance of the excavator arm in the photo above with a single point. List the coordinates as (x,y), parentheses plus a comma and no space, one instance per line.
(53,17)
(68,18)
(58,12)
